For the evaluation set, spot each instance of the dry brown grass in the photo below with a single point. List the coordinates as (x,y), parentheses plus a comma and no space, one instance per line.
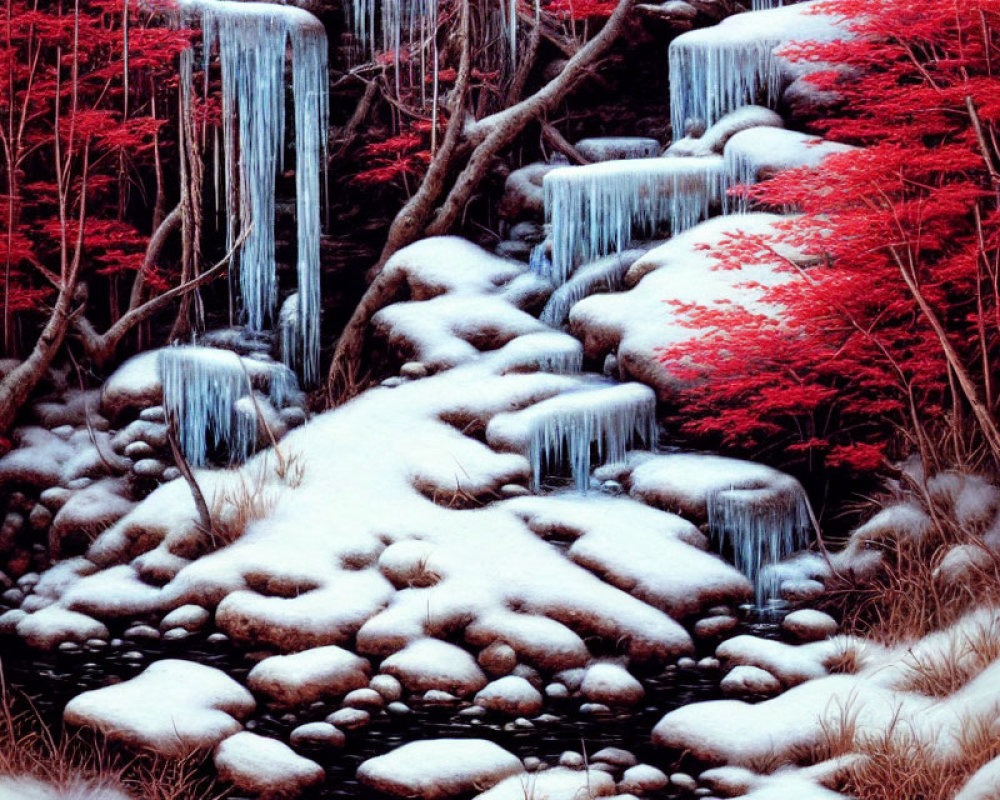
(904,762)
(941,671)
(81,766)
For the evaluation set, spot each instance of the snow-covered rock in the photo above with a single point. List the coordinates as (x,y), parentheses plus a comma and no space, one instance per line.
(439,768)
(745,679)
(173,708)
(265,767)
(809,625)
(611,684)
(302,678)
(559,783)
(431,664)
(511,695)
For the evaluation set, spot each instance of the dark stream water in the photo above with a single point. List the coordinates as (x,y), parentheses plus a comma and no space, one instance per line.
(52,679)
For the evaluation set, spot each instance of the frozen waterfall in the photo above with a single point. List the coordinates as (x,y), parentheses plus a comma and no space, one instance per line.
(252,40)
(762,527)
(719,69)
(570,428)
(202,389)
(594,209)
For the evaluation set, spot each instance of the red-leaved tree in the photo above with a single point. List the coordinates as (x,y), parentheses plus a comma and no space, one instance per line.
(84,90)
(889,342)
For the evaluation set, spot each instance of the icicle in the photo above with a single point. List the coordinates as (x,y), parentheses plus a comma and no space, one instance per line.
(605,274)
(762,527)
(594,209)
(201,386)
(716,70)
(571,427)
(252,39)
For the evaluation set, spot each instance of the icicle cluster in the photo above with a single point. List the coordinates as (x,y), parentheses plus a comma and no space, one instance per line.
(202,387)
(716,70)
(605,274)
(761,527)
(571,428)
(740,169)
(252,39)
(763,5)
(594,209)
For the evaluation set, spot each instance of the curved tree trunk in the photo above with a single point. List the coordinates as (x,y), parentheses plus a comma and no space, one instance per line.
(419,217)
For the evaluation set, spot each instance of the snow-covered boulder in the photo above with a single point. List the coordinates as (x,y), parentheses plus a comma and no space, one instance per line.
(301,678)
(265,767)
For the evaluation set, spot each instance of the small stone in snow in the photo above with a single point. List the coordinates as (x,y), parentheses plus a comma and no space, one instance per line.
(611,684)
(595,709)
(616,756)
(511,695)
(141,632)
(556,691)
(809,625)
(708,662)
(472,711)
(497,659)
(571,759)
(712,627)
(398,709)
(801,591)
(643,778)
(366,699)
(387,686)
(349,718)
(435,697)
(683,781)
(149,468)
(413,370)
(265,767)
(190,617)
(746,679)
(686,663)
(318,734)
(531,763)
(514,490)
(176,634)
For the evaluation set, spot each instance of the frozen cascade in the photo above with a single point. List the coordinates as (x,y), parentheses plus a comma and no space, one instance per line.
(201,389)
(594,209)
(252,39)
(605,274)
(716,70)
(761,527)
(567,429)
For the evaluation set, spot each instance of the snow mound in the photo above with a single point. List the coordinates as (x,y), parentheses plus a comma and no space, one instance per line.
(174,708)
(265,767)
(439,768)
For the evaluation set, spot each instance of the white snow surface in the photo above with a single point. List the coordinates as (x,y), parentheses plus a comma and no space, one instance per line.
(439,768)
(266,767)
(174,708)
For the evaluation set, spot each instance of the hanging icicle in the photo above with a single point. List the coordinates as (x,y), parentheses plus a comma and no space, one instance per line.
(251,40)
(593,210)
(719,69)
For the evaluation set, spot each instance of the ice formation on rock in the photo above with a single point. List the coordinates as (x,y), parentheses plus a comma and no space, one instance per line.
(716,70)
(252,39)
(762,528)
(568,428)
(610,148)
(201,389)
(594,209)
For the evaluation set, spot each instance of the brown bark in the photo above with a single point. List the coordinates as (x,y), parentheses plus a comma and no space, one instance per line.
(419,217)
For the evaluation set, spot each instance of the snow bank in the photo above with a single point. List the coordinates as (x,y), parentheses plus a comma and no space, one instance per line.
(174,708)
(439,768)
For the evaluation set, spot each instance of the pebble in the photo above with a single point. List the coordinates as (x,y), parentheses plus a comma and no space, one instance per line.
(514,490)
(610,683)
(746,679)
(571,678)
(612,487)
(176,634)
(556,691)
(398,709)
(321,734)
(594,709)
(171,474)
(137,451)
(149,468)
(643,779)
(809,625)
(571,759)
(392,383)
(217,638)
(702,792)
(801,591)
(141,632)
(616,756)
(437,697)
(12,597)
(683,781)
(40,517)
(531,763)
(190,617)
(79,483)
(367,699)
(95,645)
(387,686)
(63,431)
(153,414)
(524,723)
(413,370)
(133,655)
(349,718)
(547,719)
(69,647)
(686,663)
(709,662)
(472,711)
(715,626)
(498,659)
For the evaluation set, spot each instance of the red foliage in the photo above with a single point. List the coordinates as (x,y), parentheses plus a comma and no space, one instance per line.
(582,9)
(69,150)
(906,237)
